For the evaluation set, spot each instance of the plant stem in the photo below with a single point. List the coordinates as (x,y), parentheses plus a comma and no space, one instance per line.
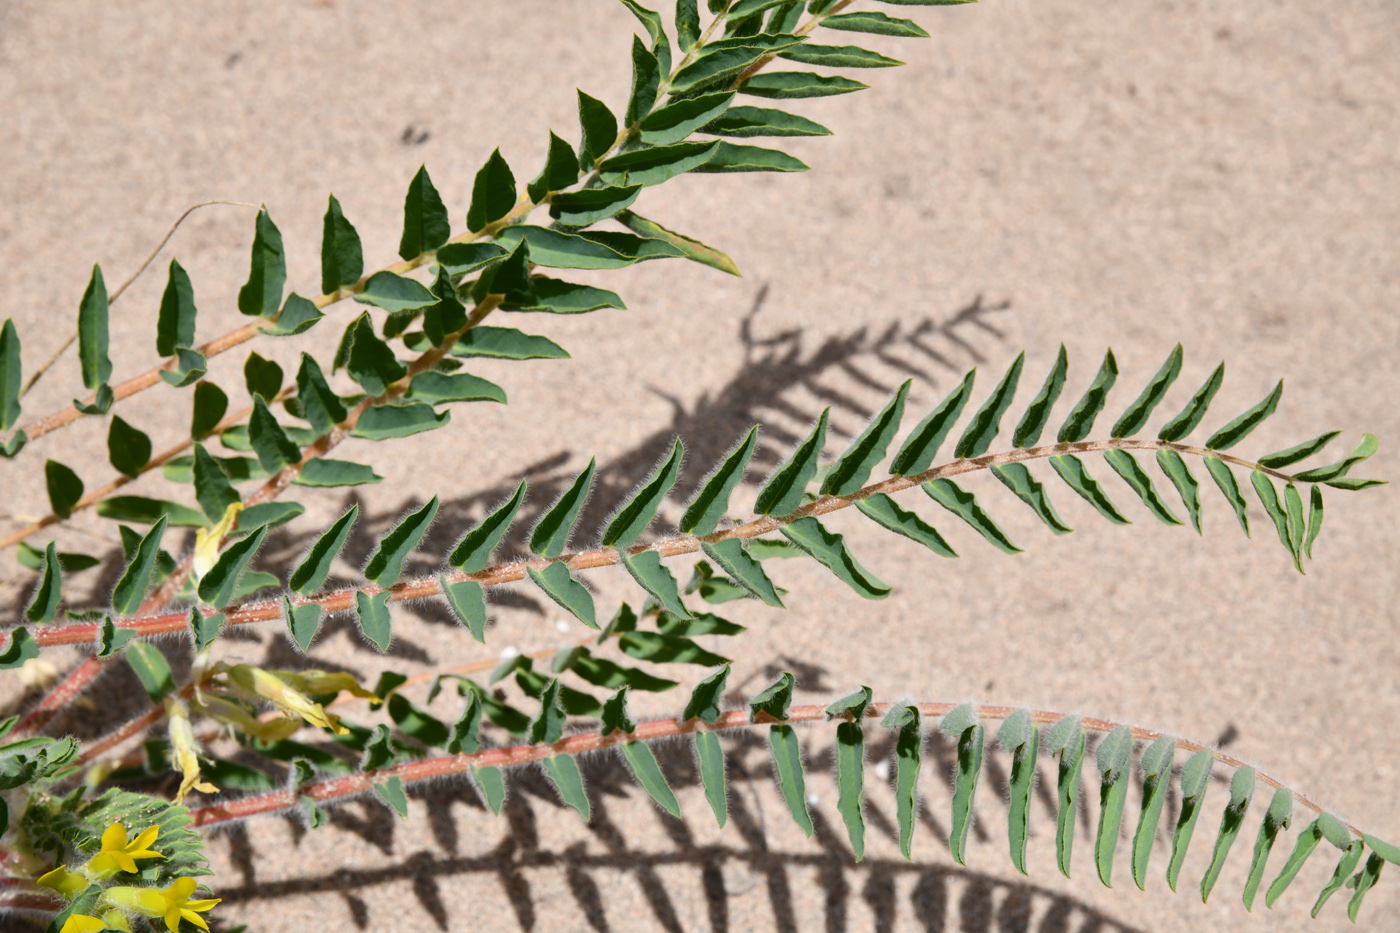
(145,625)
(339,788)
(58,699)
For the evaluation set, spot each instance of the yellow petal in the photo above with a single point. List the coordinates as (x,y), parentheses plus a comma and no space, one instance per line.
(203,905)
(194,918)
(114,837)
(81,923)
(144,840)
(124,861)
(172,918)
(68,883)
(104,863)
(182,888)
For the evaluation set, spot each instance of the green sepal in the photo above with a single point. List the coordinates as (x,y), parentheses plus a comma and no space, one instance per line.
(964,505)
(93,338)
(1174,467)
(217,585)
(551,533)
(131,588)
(426,225)
(43,608)
(1241,791)
(1195,778)
(559,585)
(1151,396)
(493,193)
(190,366)
(829,549)
(1018,478)
(175,324)
(634,515)
(886,512)
(782,491)
(473,551)
(1156,779)
(342,258)
(261,295)
(1238,429)
(1032,423)
(1132,473)
(709,755)
(389,421)
(316,566)
(386,563)
(1072,470)
(922,445)
(372,615)
(1081,418)
(1185,422)
(852,469)
(64,487)
(210,404)
(1229,488)
(151,669)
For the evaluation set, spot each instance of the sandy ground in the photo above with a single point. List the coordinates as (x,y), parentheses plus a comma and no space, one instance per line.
(1124,175)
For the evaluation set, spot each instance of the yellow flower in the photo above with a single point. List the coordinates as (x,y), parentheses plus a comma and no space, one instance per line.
(184,751)
(68,883)
(265,685)
(82,923)
(206,542)
(118,854)
(173,904)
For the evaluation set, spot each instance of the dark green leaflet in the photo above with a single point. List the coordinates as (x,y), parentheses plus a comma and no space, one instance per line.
(964,505)
(987,422)
(1038,413)
(1190,416)
(711,759)
(1017,477)
(1152,394)
(923,442)
(1071,469)
(886,512)
(1195,778)
(1081,419)
(703,514)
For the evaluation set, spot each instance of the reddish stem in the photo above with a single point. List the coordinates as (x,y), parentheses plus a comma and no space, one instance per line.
(65,693)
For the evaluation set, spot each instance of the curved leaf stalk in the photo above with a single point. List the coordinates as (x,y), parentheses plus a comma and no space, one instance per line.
(240,335)
(102,492)
(145,625)
(117,292)
(956,719)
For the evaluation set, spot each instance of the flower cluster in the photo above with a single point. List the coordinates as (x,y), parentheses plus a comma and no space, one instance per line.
(115,905)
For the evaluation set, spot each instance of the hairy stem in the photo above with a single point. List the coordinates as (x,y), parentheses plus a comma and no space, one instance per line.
(341,600)
(335,789)
(58,699)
